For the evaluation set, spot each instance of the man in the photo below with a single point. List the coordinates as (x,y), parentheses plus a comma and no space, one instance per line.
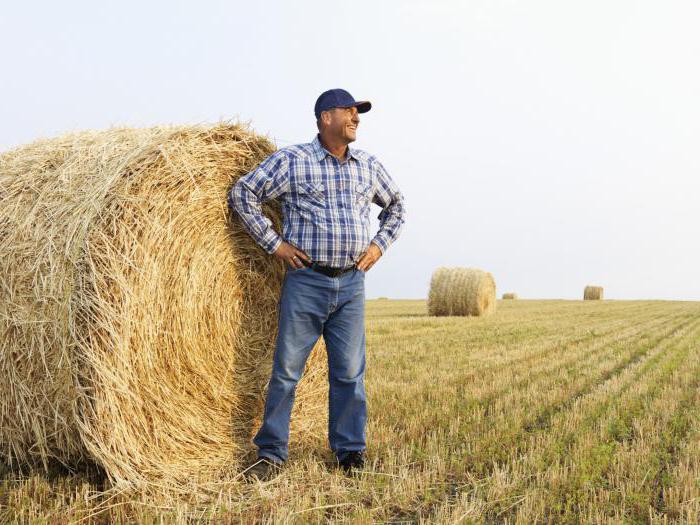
(326,189)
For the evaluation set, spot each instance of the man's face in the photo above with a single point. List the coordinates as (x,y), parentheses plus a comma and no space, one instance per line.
(344,123)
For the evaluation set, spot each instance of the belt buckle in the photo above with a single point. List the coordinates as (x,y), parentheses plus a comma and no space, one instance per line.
(324,270)
(343,271)
(329,270)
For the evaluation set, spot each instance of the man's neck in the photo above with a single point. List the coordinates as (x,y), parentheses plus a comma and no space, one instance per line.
(339,150)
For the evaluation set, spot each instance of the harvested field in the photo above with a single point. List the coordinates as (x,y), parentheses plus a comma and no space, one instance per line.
(547,411)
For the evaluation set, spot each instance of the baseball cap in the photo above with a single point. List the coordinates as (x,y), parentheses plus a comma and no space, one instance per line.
(339,98)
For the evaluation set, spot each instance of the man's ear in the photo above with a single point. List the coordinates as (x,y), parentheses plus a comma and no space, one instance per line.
(326,117)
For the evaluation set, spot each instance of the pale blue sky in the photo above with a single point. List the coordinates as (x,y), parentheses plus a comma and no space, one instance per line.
(552,143)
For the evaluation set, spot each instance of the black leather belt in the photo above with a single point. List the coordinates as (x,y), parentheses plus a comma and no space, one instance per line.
(330,271)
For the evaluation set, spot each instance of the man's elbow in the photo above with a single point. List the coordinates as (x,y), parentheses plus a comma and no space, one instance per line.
(235,201)
(396,211)
(229,200)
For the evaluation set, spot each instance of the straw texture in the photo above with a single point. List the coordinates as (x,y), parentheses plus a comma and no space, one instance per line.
(461,291)
(137,318)
(593,293)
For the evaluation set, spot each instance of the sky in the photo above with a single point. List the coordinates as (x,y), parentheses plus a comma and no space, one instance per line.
(552,143)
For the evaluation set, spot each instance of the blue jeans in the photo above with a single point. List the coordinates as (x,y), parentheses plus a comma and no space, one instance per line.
(311,305)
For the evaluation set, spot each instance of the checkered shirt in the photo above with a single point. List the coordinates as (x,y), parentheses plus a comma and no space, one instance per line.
(325,203)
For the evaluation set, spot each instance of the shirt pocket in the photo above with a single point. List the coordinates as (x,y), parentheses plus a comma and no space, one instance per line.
(363,193)
(309,196)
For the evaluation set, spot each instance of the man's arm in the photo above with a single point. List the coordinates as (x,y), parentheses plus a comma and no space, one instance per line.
(391,219)
(267,181)
(392,216)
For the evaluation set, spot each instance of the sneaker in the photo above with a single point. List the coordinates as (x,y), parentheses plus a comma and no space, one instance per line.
(263,469)
(353,461)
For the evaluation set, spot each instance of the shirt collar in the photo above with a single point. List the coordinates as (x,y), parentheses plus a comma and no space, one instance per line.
(320,152)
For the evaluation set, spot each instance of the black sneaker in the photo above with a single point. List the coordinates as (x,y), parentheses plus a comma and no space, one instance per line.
(353,462)
(262,470)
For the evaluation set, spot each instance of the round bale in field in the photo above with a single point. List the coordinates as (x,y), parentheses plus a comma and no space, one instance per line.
(510,296)
(461,291)
(592,293)
(137,319)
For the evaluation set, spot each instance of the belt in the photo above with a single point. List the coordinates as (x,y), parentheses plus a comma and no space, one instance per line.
(330,271)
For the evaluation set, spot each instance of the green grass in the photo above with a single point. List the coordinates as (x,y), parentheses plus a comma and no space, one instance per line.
(545,412)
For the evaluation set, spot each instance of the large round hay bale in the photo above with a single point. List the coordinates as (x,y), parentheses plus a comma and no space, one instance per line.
(510,296)
(592,293)
(137,319)
(461,291)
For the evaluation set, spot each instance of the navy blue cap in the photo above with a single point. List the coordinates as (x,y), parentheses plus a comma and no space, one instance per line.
(339,98)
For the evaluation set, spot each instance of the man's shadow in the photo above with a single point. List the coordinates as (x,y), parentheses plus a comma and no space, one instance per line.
(79,471)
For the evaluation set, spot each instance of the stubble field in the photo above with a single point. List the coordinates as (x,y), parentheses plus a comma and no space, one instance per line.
(545,412)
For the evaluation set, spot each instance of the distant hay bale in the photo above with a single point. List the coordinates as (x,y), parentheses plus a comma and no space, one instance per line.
(510,296)
(137,320)
(382,298)
(593,293)
(461,291)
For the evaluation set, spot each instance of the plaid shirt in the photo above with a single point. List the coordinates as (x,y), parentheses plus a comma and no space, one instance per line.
(325,203)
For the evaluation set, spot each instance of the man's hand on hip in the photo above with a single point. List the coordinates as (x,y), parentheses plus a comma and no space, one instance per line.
(368,258)
(292,255)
